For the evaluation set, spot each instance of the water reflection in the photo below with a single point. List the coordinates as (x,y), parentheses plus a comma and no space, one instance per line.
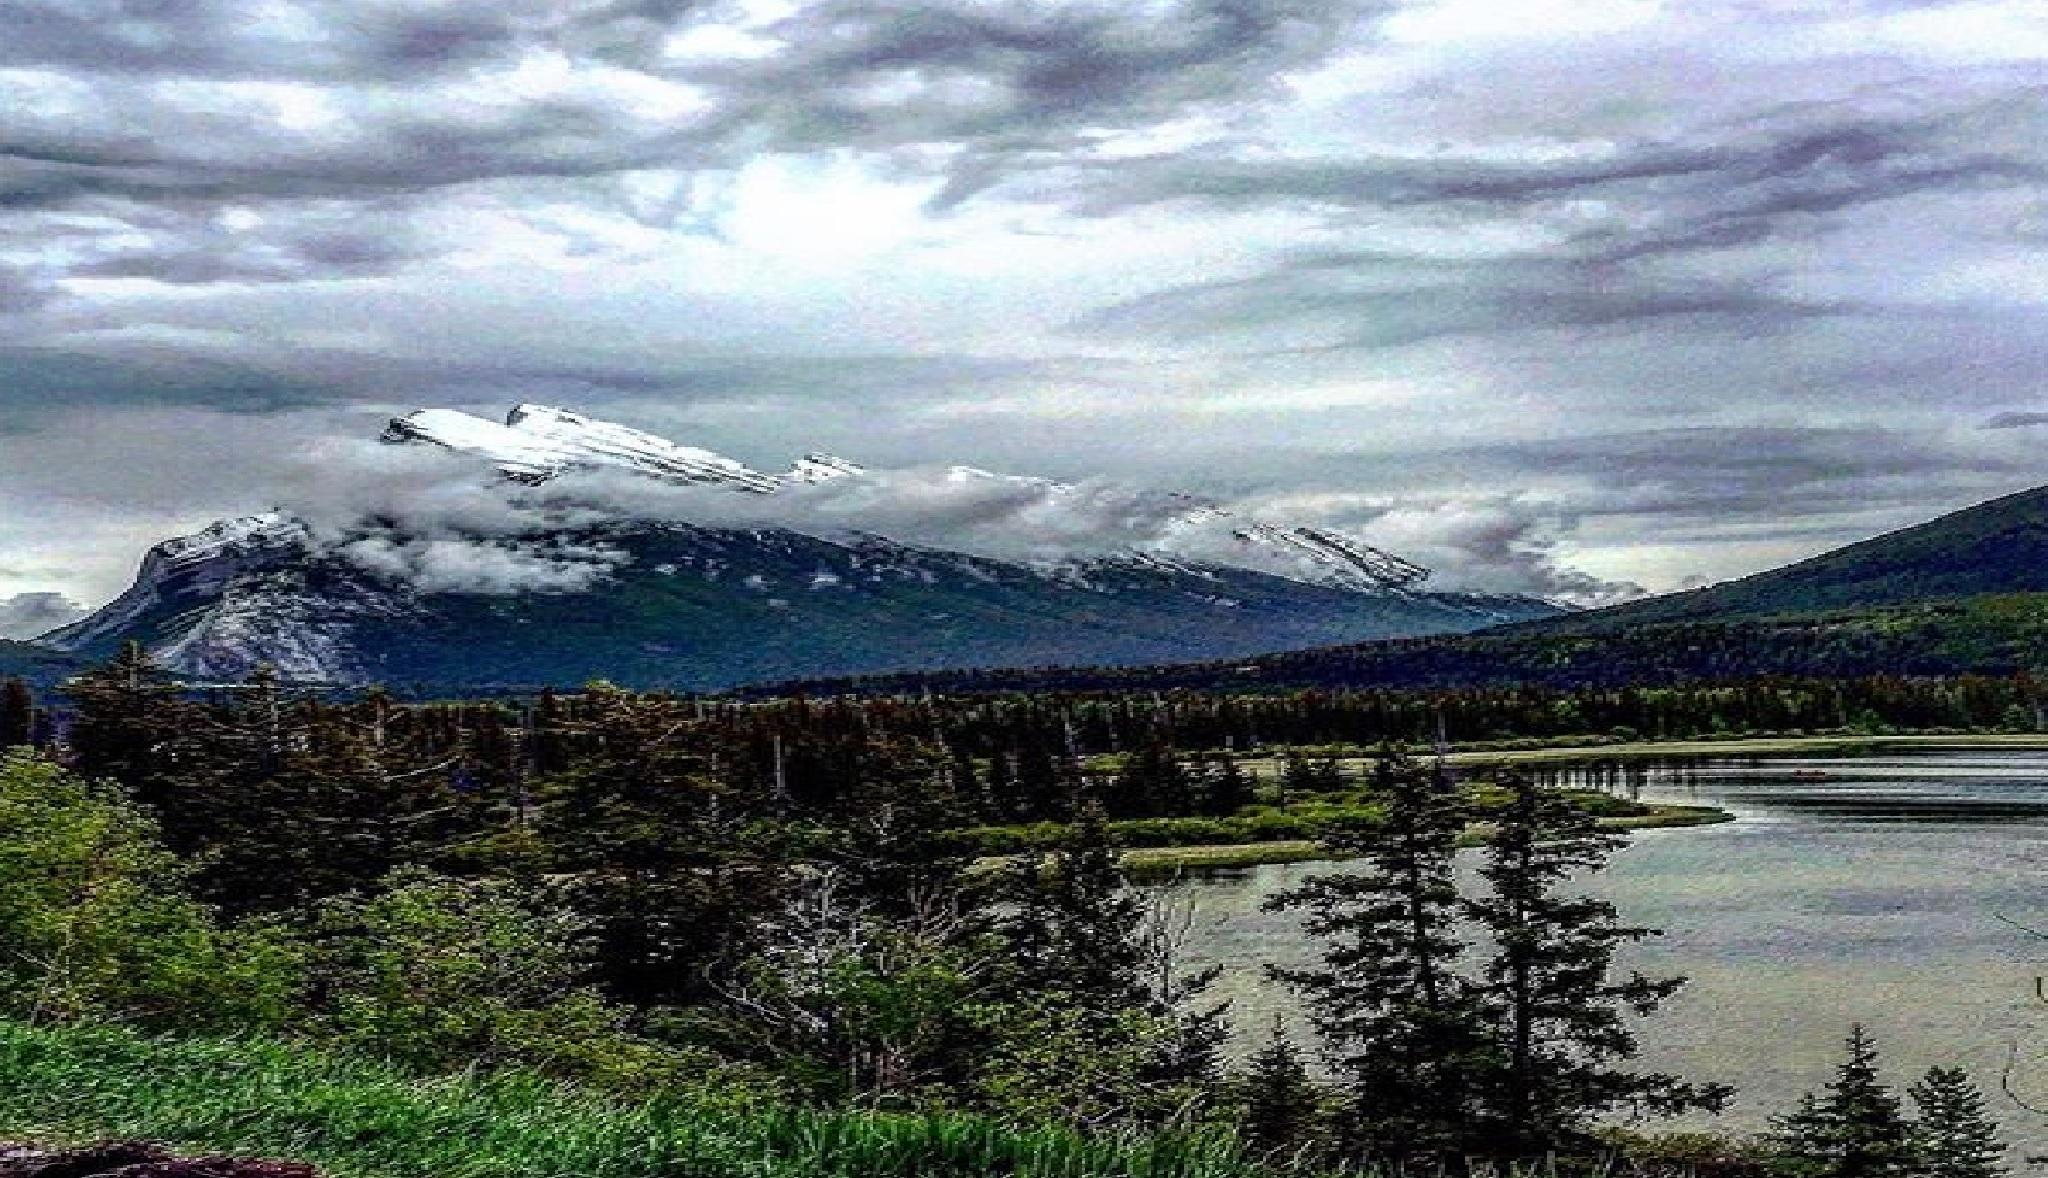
(1873,889)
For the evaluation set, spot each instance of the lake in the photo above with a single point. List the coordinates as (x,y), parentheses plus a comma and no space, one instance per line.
(1851,888)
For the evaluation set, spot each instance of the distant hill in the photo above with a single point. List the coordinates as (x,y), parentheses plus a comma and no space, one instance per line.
(1965,593)
(1992,634)
(1996,547)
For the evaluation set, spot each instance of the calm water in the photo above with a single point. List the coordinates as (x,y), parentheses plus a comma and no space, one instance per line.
(1873,889)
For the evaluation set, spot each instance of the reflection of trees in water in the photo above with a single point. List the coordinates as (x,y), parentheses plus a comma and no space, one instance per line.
(1621,777)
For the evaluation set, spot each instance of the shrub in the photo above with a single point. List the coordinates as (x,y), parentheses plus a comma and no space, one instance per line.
(99,924)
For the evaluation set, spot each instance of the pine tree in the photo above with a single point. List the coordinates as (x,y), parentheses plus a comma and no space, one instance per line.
(1074,927)
(1952,1136)
(1228,788)
(1853,1130)
(1401,1030)
(129,717)
(1086,954)
(1282,1106)
(17,714)
(1557,1013)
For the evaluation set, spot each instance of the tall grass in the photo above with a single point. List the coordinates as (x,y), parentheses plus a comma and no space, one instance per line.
(362,1119)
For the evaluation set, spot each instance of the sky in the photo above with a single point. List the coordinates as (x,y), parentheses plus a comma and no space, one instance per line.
(1556,296)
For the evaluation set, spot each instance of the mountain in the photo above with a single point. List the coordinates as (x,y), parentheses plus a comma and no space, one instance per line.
(649,602)
(1997,547)
(39,665)
(1966,593)
(537,443)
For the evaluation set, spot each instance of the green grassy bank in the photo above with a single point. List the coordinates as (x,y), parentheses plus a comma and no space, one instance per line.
(1154,863)
(361,1119)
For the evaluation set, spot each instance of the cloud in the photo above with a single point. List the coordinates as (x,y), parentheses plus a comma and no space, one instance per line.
(1391,250)
(494,567)
(2016,420)
(27,615)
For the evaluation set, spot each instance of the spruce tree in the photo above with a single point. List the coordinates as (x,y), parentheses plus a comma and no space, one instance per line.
(129,717)
(1952,1137)
(17,714)
(1403,1033)
(1085,953)
(1228,788)
(1557,1013)
(1852,1130)
(1281,1105)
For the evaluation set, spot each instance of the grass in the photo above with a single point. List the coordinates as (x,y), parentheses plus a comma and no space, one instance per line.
(358,1118)
(1155,863)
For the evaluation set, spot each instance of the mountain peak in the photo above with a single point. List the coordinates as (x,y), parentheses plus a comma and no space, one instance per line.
(539,442)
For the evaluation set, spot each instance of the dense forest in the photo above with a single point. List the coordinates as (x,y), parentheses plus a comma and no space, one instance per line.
(1992,634)
(766,912)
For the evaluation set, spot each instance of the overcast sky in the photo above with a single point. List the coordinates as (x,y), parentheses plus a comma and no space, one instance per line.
(1656,291)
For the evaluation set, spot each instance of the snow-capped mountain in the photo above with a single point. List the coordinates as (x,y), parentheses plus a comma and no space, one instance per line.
(537,443)
(651,602)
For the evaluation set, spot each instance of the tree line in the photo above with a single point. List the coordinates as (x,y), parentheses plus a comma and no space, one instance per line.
(762,902)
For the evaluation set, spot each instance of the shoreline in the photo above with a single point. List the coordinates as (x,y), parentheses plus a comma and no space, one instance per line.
(1152,864)
(1769,745)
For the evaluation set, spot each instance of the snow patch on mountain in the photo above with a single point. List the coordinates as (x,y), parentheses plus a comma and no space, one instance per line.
(540,442)
(1043,522)
(195,566)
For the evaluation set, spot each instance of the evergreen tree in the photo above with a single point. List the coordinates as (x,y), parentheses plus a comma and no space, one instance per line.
(1282,1107)
(129,717)
(1107,1021)
(1403,1032)
(670,866)
(1073,928)
(1952,1136)
(1298,778)
(1558,1015)
(1852,1130)
(17,714)
(1226,787)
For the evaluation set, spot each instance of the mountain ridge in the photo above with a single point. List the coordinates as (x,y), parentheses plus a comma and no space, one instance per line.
(678,604)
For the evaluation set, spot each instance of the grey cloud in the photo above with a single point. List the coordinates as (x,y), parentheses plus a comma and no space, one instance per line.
(322,39)
(39,383)
(1012,78)
(493,567)
(1707,187)
(1493,543)
(26,615)
(2016,420)
(1382,300)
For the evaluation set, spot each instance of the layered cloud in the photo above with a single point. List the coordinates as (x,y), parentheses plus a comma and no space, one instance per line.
(1556,295)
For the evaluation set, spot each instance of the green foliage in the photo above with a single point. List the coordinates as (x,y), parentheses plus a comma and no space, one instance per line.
(1952,1137)
(1281,1108)
(1853,1129)
(851,1006)
(439,974)
(1437,1060)
(17,714)
(1559,1016)
(1400,1028)
(1108,1030)
(97,922)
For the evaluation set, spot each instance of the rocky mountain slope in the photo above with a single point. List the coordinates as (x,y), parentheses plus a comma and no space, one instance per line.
(677,604)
